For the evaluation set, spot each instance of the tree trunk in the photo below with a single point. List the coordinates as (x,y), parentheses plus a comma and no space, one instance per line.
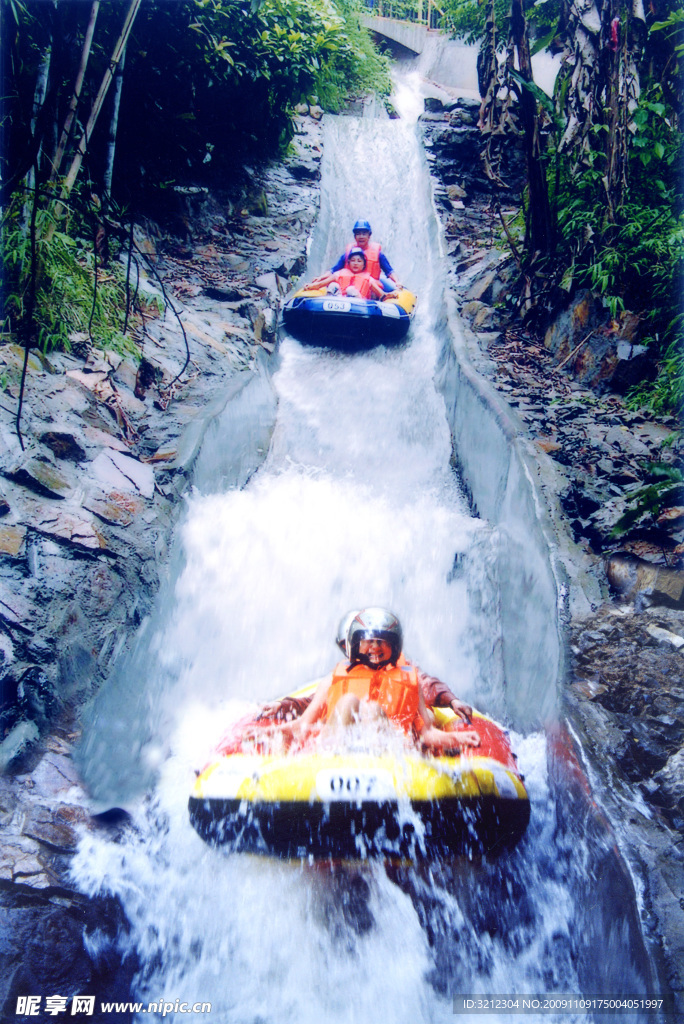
(70,179)
(540,224)
(39,95)
(76,94)
(113,124)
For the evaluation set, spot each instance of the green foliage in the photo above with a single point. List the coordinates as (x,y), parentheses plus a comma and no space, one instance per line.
(356,67)
(666,393)
(214,82)
(64,288)
(628,247)
(209,85)
(637,261)
(295,48)
(664,489)
(465,19)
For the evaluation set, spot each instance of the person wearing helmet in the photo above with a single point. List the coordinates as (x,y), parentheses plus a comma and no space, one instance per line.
(288,708)
(377,682)
(378,266)
(435,692)
(353,280)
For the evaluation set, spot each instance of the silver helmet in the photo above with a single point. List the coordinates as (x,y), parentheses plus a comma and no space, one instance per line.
(374,624)
(343,630)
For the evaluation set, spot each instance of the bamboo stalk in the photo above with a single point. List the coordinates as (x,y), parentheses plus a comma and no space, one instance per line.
(113,125)
(70,179)
(76,94)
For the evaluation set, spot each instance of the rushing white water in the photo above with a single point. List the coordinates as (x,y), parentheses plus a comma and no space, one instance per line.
(356,504)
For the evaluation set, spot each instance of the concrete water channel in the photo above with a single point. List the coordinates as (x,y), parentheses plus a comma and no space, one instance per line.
(391,477)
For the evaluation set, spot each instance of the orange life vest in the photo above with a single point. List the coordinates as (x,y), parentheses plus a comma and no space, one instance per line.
(361,281)
(372,254)
(394,688)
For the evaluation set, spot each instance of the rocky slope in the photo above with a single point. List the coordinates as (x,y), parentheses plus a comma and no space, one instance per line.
(624,691)
(89,498)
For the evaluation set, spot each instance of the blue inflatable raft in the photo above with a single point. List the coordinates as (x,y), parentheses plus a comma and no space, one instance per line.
(335,321)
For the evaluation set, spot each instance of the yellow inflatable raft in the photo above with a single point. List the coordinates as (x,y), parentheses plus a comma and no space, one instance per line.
(318,802)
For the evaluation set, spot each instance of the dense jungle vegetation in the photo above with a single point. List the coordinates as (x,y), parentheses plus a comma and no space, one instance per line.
(108,106)
(201,87)
(605,194)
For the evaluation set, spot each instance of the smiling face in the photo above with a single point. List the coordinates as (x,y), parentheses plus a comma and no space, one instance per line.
(376,651)
(357,264)
(362,238)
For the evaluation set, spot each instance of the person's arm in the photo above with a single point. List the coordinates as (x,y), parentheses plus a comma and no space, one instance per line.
(285,709)
(437,694)
(298,728)
(323,280)
(386,268)
(340,265)
(439,739)
(434,738)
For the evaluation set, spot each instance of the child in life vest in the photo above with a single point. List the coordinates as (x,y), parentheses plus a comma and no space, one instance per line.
(378,683)
(353,281)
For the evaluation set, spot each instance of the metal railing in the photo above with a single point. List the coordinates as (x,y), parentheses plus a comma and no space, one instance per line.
(421,12)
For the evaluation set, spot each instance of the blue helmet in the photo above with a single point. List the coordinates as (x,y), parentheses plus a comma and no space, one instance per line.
(362,225)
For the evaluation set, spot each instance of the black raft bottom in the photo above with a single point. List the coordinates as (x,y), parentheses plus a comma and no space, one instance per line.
(481,825)
(346,332)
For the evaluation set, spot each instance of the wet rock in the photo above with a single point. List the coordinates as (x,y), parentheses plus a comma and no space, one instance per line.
(105,589)
(64,445)
(147,376)
(17,743)
(634,365)
(667,785)
(272,283)
(482,288)
(643,582)
(99,437)
(456,192)
(265,326)
(97,382)
(77,669)
(54,776)
(20,863)
(118,472)
(17,610)
(59,828)
(116,508)
(597,351)
(72,527)
(41,476)
(470,310)
(90,938)
(665,636)
(37,697)
(12,540)
(102,361)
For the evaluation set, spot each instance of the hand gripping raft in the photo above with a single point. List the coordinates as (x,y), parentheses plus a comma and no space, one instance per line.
(387,799)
